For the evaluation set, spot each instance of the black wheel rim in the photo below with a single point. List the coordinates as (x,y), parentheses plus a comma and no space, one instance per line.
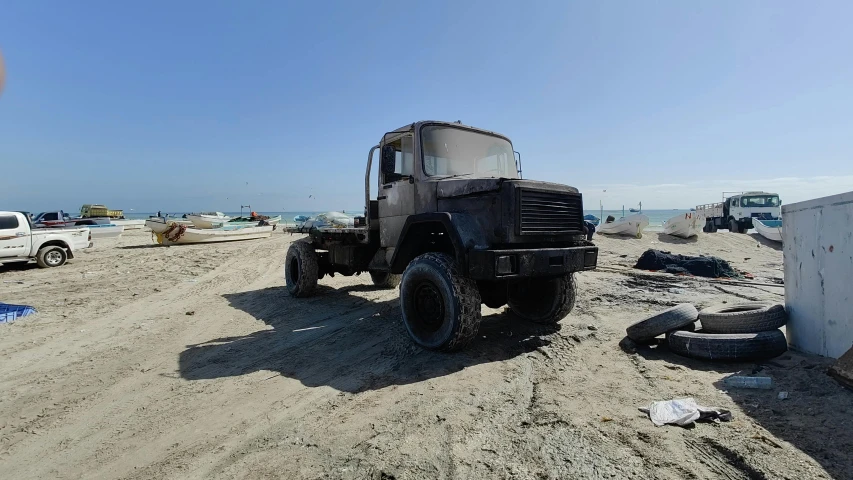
(429,306)
(294,270)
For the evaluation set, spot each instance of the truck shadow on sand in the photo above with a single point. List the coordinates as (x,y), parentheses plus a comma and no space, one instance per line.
(814,418)
(346,341)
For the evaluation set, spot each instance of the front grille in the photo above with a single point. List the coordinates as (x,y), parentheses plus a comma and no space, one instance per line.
(550,212)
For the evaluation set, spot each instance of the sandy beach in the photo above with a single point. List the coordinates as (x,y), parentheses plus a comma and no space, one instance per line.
(193,362)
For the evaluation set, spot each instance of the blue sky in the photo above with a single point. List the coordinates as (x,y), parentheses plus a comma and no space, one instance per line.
(206,105)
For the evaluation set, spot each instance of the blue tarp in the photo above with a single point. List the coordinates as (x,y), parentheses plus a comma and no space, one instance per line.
(10,313)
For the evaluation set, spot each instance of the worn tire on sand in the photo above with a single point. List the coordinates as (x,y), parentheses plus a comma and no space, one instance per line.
(440,306)
(660,323)
(301,269)
(728,346)
(742,318)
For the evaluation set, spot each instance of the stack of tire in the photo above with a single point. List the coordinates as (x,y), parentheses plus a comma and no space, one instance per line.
(744,331)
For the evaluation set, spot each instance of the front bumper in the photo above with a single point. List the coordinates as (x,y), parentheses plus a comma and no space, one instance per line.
(536,262)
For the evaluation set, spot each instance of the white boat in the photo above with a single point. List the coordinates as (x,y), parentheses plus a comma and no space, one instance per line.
(769,229)
(105,231)
(632,225)
(177,234)
(208,219)
(685,225)
(129,224)
(160,224)
(247,221)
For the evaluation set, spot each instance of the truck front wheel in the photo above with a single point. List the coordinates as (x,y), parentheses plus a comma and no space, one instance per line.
(441,307)
(51,257)
(384,279)
(543,300)
(301,269)
(734,226)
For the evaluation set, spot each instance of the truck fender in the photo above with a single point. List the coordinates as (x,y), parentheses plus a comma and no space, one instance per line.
(461,229)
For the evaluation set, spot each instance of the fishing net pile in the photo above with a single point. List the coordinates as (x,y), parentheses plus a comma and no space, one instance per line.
(712,267)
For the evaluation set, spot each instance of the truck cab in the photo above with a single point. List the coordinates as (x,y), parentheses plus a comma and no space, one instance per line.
(740,210)
(455,225)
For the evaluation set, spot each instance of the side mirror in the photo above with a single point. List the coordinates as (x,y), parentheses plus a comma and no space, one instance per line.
(388,162)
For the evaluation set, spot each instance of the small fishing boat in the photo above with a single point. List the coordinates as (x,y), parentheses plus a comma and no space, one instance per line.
(160,224)
(129,224)
(207,219)
(249,221)
(592,219)
(769,229)
(632,225)
(684,225)
(177,234)
(105,231)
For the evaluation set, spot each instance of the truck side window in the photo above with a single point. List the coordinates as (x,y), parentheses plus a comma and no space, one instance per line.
(8,222)
(405,161)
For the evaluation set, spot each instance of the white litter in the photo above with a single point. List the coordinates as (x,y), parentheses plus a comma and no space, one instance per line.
(683,412)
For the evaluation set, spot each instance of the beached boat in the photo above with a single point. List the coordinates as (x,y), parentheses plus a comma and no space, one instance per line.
(207,219)
(684,225)
(160,224)
(129,224)
(105,231)
(177,234)
(631,225)
(769,229)
(592,219)
(248,221)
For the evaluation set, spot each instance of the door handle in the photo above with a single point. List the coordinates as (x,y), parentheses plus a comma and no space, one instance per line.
(386,187)
(20,234)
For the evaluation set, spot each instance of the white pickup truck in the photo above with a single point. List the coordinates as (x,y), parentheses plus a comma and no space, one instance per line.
(20,242)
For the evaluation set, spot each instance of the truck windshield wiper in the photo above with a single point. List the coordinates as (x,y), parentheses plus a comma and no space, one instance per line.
(457,175)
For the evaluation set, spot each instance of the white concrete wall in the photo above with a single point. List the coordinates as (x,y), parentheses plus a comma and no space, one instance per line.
(818,249)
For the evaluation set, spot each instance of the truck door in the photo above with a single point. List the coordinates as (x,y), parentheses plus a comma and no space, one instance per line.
(14,236)
(396,190)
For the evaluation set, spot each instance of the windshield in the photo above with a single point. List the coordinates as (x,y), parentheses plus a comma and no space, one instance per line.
(760,201)
(454,151)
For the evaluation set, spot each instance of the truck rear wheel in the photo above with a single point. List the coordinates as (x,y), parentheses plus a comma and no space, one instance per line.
(49,257)
(384,279)
(441,307)
(301,268)
(543,300)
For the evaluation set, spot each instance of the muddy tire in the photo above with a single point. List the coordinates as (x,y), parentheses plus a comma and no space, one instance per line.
(742,318)
(728,346)
(440,307)
(674,318)
(385,279)
(543,300)
(301,268)
(49,257)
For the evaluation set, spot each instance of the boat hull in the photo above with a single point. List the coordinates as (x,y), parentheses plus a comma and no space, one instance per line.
(215,235)
(769,229)
(129,224)
(632,226)
(207,221)
(684,225)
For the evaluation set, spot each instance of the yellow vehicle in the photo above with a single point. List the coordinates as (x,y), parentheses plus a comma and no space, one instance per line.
(94,210)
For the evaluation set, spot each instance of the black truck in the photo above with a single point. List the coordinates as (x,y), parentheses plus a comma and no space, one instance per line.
(455,226)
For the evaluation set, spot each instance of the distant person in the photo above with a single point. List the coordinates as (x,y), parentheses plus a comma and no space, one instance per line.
(159,214)
(588,229)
